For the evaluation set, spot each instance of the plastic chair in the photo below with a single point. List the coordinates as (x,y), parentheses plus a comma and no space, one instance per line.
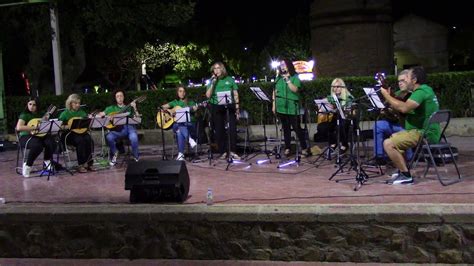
(425,150)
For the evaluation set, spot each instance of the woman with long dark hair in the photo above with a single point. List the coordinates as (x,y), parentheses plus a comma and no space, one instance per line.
(34,143)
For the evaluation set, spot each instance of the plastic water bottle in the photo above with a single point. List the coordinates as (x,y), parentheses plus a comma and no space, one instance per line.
(209,197)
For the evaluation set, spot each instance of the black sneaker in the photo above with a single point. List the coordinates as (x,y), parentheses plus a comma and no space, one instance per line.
(394,176)
(403,180)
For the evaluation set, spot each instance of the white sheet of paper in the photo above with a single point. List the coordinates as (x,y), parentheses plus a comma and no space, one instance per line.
(54,124)
(260,93)
(223,97)
(183,115)
(374,98)
(324,106)
(338,105)
(98,122)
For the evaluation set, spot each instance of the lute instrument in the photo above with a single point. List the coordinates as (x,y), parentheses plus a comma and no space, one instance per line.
(165,118)
(35,122)
(110,125)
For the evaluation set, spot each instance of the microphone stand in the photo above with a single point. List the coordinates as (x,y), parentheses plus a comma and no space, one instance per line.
(164,157)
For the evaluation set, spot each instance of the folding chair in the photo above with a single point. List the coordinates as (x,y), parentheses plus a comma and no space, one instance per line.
(21,152)
(427,151)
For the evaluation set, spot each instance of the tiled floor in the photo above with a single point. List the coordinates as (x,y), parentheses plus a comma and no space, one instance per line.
(241,184)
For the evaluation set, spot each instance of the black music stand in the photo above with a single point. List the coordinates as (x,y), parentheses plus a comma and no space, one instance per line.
(265,100)
(100,123)
(325,108)
(163,145)
(377,107)
(125,121)
(224,99)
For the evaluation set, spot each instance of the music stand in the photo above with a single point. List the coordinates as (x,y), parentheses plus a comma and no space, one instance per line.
(224,99)
(162,118)
(324,107)
(101,122)
(50,127)
(81,123)
(265,100)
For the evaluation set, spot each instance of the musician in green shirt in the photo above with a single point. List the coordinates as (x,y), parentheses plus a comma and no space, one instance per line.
(418,109)
(286,105)
(183,129)
(34,143)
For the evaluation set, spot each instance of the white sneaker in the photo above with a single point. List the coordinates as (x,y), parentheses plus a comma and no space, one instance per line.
(180,157)
(113,161)
(192,143)
(26,170)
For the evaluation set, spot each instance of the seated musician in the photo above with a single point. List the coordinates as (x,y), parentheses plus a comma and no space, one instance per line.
(389,124)
(35,143)
(79,138)
(418,109)
(338,89)
(183,130)
(122,131)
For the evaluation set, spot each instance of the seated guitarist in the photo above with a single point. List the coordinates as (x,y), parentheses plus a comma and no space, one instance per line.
(35,144)
(388,125)
(125,131)
(79,138)
(183,129)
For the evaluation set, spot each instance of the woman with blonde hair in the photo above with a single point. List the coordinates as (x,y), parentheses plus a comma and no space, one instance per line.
(79,138)
(345,98)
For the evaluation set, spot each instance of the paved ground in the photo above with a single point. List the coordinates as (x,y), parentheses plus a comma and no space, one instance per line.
(245,184)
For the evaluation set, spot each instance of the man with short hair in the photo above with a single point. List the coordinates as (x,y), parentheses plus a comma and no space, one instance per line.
(418,109)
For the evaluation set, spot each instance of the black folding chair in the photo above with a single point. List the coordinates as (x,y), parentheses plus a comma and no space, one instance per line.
(443,150)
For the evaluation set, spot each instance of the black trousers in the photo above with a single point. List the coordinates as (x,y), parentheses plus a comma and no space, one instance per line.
(344,131)
(287,123)
(35,145)
(84,146)
(219,118)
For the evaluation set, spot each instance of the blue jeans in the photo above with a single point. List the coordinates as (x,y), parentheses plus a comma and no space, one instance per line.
(382,130)
(126,131)
(182,131)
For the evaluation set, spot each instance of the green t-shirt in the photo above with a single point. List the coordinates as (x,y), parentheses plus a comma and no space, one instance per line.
(418,118)
(226,84)
(115,109)
(27,116)
(68,114)
(287,101)
(182,104)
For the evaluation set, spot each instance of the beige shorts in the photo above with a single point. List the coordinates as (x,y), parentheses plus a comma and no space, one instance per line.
(405,139)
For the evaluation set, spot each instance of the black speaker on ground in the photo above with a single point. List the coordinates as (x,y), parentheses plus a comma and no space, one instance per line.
(157,181)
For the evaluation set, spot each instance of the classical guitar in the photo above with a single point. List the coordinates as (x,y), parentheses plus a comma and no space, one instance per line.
(165,118)
(34,123)
(110,125)
(390,113)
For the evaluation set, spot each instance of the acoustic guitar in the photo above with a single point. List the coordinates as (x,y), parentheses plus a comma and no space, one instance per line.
(35,122)
(110,125)
(165,118)
(389,113)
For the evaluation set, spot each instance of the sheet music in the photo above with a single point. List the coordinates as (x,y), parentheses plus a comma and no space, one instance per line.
(183,115)
(374,98)
(338,105)
(50,126)
(98,122)
(223,97)
(260,93)
(324,106)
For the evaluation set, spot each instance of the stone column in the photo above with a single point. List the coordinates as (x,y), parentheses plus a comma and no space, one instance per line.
(352,37)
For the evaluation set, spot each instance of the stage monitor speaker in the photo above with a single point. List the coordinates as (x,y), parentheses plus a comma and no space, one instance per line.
(157,181)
